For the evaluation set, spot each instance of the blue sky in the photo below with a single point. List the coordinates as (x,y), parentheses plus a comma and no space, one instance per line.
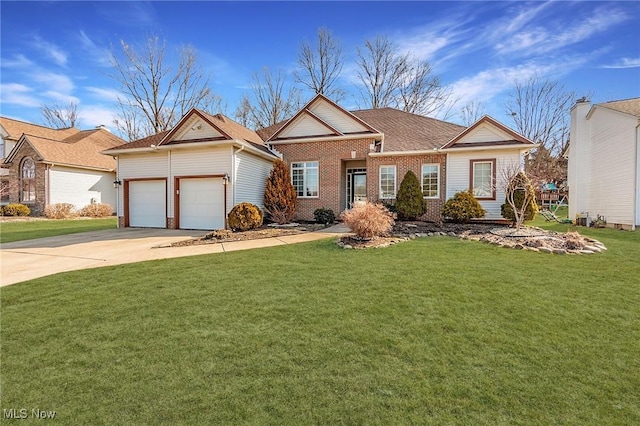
(56,52)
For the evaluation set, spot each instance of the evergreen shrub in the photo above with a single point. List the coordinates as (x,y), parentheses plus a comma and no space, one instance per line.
(245,216)
(410,203)
(462,207)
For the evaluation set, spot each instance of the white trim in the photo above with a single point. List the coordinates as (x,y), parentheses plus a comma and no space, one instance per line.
(304,176)
(400,153)
(521,146)
(432,197)
(395,181)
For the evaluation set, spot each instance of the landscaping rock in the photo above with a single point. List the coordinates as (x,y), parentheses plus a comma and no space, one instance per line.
(545,250)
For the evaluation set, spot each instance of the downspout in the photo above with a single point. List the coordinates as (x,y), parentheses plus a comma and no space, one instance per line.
(636,192)
(118,193)
(234,177)
(47,178)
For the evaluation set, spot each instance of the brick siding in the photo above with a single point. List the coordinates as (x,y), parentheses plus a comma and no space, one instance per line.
(37,206)
(333,158)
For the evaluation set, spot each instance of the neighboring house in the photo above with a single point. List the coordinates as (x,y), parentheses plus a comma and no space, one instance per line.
(339,157)
(604,162)
(191,176)
(42,166)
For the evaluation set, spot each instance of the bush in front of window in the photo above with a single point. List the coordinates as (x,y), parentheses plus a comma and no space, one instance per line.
(96,210)
(245,216)
(60,211)
(410,203)
(368,220)
(279,194)
(462,208)
(324,216)
(16,210)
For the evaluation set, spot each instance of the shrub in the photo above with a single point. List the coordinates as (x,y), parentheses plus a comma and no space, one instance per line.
(279,194)
(60,211)
(16,210)
(96,210)
(368,220)
(409,200)
(520,185)
(462,207)
(245,216)
(325,216)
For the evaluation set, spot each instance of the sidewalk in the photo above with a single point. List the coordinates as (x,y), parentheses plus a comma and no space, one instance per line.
(26,260)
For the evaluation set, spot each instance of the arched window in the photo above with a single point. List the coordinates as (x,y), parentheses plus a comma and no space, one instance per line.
(28,181)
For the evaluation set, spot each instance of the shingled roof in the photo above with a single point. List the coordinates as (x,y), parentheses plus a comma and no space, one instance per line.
(628,106)
(404,131)
(16,128)
(81,149)
(70,147)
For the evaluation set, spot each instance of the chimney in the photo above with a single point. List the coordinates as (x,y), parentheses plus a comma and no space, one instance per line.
(102,127)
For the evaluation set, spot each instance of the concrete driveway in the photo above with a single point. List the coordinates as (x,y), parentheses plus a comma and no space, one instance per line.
(25,260)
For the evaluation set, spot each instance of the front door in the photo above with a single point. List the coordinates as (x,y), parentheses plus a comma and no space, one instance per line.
(357,187)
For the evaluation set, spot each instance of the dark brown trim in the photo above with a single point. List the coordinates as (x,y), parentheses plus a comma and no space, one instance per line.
(306,109)
(184,119)
(125,195)
(486,119)
(176,195)
(183,141)
(493,176)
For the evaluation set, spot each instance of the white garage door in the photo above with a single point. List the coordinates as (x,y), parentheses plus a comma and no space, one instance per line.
(148,204)
(201,203)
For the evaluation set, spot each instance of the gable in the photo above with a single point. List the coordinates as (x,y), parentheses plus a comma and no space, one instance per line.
(343,122)
(194,128)
(487,132)
(321,117)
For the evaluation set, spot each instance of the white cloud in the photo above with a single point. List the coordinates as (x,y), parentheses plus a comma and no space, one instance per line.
(110,95)
(100,55)
(18,94)
(61,97)
(624,63)
(536,40)
(53,81)
(95,115)
(58,55)
(18,61)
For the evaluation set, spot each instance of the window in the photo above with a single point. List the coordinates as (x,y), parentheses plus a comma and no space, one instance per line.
(28,181)
(483,177)
(431,180)
(1,148)
(304,177)
(387,181)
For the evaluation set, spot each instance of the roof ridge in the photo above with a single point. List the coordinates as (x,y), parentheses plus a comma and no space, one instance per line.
(38,125)
(619,100)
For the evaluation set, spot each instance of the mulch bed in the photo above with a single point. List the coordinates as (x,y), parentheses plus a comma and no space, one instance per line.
(265,231)
(525,238)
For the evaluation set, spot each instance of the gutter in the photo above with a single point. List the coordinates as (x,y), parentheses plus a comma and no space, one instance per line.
(490,148)
(158,148)
(328,138)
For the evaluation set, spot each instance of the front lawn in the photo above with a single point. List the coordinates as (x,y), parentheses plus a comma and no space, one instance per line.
(432,331)
(27,230)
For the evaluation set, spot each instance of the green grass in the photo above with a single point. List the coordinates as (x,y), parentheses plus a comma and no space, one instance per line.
(431,331)
(18,231)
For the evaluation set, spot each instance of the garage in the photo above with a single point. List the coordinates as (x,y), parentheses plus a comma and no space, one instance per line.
(201,203)
(147,203)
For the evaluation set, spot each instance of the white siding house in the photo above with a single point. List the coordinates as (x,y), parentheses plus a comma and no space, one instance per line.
(604,162)
(81,187)
(192,176)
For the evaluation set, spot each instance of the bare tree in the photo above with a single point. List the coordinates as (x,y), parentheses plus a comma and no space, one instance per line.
(243,112)
(60,116)
(394,79)
(156,91)
(520,198)
(420,90)
(380,70)
(273,99)
(472,112)
(540,111)
(321,65)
